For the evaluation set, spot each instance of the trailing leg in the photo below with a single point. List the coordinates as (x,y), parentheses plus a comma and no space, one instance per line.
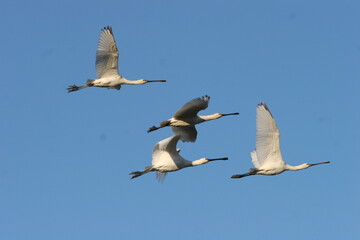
(162,124)
(139,173)
(74,88)
(253,171)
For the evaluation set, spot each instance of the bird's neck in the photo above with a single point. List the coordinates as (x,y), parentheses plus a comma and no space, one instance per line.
(133,82)
(181,162)
(209,117)
(295,168)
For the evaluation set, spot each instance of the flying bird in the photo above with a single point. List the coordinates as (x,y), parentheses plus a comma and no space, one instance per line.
(184,120)
(267,157)
(107,56)
(166,158)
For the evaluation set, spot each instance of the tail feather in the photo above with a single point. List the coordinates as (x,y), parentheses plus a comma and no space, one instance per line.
(254,159)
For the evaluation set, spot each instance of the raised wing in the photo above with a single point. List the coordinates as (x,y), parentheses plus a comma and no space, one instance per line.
(268,153)
(187,134)
(191,108)
(167,146)
(107,54)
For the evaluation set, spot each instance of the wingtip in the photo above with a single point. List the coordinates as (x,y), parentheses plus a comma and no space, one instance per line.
(108,28)
(262,104)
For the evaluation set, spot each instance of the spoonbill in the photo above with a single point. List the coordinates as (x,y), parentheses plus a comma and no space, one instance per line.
(267,157)
(107,65)
(184,120)
(166,158)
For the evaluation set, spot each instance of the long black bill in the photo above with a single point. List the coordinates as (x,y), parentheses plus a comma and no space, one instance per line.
(215,159)
(314,164)
(156,80)
(228,114)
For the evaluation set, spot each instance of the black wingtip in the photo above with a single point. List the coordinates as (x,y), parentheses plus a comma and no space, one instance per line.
(109,28)
(263,104)
(206,96)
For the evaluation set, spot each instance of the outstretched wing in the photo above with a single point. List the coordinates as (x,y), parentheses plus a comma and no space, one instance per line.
(191,108)
(268,153)
(164,149)
(187,133)
(107,54)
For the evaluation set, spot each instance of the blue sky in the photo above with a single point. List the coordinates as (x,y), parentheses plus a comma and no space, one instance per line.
(65,158)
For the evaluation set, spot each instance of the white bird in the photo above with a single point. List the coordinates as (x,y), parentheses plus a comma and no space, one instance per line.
(107,65)
(166,158)
(184,120)
(267,157)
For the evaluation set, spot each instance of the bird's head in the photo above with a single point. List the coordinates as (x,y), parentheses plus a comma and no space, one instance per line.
(143,81)
(206,160)
(304,165)
(307,165)
(217,115)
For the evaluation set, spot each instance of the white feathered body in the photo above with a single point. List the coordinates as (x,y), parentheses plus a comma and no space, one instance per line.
(191,121)
(108,82)
(165,158)
(170,163)
(268,168)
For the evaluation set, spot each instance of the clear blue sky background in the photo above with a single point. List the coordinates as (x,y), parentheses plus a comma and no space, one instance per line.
(65,158)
